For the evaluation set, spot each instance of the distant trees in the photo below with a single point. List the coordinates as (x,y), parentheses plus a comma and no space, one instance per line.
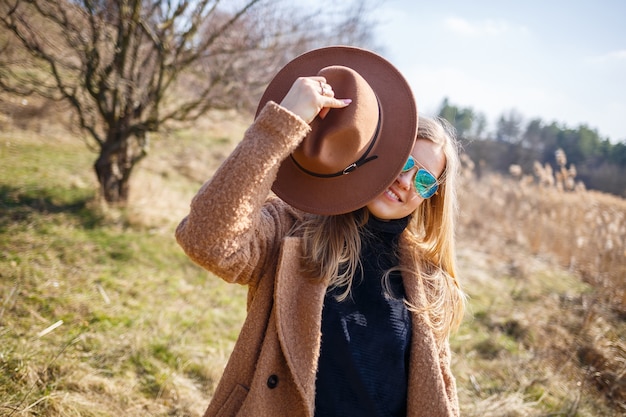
(600,164)
(127,67)
(466,121)
(509,127)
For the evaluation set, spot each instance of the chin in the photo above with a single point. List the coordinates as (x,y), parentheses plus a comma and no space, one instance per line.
(382,212)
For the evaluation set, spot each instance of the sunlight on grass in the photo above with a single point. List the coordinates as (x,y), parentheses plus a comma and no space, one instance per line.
(102,314)
(140,324)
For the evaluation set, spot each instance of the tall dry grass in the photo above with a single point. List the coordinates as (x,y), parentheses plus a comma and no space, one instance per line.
(583,230)
(574,339)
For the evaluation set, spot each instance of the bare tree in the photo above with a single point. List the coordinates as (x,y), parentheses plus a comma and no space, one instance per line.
(127,67)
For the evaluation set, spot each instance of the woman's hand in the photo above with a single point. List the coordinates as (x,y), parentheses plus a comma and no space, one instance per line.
(310,96)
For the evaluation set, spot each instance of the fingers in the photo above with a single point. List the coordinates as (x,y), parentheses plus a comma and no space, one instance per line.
(312,96)
(326,89)
(323,112)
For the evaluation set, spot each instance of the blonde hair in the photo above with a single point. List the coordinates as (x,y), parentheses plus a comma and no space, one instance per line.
(428,243)
(332,244)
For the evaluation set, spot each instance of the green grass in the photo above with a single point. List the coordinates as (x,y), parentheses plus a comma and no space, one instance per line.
(139,321)
(141,331)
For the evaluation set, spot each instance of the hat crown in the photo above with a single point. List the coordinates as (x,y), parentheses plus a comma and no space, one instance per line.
(346,134)
(312,177)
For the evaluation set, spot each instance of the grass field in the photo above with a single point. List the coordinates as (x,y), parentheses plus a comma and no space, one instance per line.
(101,314)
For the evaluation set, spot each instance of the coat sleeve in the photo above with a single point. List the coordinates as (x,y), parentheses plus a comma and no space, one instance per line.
(232,228)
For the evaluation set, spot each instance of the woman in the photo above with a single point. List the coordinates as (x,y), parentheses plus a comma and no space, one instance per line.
(351,275)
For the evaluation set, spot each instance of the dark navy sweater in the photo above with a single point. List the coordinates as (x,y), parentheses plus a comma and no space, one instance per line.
(363,365)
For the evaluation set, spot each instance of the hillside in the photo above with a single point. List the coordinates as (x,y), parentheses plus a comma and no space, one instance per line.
(101,314)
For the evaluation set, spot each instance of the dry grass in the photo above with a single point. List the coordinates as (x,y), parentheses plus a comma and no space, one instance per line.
(544,269)
(145,332)
(142,330)
(584,231)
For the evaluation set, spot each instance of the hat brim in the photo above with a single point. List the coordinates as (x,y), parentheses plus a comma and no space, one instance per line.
(397,136)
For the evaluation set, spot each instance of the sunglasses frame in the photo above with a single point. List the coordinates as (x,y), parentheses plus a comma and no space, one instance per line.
(423,190)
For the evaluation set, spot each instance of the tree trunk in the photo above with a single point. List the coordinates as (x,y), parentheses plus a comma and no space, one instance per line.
(118,156)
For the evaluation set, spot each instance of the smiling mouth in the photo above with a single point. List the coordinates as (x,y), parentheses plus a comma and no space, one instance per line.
(393,195)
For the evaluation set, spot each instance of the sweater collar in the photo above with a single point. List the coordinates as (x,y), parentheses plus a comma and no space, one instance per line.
(394,227)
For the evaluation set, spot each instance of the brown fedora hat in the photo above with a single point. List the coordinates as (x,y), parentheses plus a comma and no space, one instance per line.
(354,153)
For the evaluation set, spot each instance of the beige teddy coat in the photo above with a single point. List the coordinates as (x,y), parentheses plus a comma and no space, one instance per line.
(239,232)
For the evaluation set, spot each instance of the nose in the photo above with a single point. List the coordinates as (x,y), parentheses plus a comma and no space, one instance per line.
(404,179)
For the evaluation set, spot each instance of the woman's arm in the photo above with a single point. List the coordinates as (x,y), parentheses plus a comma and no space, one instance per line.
(227,231)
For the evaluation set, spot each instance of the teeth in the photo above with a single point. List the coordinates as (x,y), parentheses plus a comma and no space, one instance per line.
(394,195)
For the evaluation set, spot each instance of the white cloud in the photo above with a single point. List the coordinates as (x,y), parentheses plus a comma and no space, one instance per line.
(487,27)
(618,56)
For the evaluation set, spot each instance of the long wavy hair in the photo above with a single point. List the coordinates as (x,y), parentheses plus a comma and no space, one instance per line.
(332,244)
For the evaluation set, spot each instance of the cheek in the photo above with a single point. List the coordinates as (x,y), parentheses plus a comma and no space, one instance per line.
(415,200)
(413,204)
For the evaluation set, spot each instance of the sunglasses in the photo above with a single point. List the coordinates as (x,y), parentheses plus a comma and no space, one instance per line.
(426,184)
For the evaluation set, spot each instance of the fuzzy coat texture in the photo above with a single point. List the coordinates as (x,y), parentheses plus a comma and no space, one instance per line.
(239,231)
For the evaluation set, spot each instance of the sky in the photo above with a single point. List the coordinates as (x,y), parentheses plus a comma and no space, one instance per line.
(557,60)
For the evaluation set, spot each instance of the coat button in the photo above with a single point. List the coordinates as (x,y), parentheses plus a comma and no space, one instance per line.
(272,381)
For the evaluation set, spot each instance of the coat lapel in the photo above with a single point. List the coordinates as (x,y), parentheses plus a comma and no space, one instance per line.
(299,300)
(427,388)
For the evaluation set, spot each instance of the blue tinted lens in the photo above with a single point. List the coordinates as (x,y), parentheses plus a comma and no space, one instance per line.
(410,163)
(425,183)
